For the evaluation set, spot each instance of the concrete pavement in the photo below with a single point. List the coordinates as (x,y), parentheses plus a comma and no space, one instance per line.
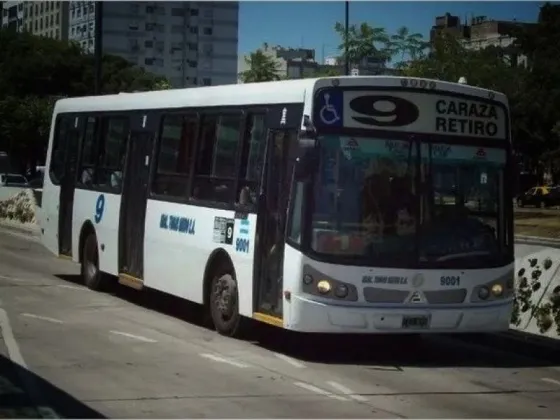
(78,353)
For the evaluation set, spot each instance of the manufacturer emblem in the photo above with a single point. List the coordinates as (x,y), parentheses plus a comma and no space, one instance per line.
(417,297)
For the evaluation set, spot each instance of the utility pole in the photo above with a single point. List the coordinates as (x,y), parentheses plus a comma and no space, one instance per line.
(346,29)
(98,46)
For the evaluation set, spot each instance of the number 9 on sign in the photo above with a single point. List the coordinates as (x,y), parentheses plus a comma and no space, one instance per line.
(99,208)
(229,232)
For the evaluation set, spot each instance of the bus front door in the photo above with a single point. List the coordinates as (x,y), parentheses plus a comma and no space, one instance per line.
(68,185)
(272,216)
(134,199)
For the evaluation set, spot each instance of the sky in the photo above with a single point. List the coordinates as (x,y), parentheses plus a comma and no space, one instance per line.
(310,24)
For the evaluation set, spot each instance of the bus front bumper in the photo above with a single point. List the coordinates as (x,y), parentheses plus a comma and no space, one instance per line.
(307,315)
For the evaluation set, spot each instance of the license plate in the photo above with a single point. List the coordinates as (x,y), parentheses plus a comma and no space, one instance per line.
(415,322)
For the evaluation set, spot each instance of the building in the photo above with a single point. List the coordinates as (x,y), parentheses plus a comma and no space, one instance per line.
(12,15)
(190,43)
(291,63)
(480,33)
(46,18)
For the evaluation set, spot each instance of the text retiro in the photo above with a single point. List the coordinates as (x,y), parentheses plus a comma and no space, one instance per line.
(467,118)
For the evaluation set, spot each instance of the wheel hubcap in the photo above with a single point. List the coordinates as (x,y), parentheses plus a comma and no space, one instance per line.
(224,297)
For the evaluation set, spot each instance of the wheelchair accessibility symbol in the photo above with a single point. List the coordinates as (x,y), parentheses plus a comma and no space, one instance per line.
(328,113)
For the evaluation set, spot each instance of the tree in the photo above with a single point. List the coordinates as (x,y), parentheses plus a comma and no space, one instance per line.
(364,41)
(36,70)
(403,43)
(262,68)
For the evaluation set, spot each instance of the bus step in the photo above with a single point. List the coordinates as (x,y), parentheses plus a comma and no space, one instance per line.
(131,281)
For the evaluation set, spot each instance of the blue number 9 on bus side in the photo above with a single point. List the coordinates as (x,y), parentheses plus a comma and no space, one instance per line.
(99,208)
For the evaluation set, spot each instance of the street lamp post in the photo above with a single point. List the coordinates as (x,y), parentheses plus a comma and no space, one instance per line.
(98,46)
(346,29)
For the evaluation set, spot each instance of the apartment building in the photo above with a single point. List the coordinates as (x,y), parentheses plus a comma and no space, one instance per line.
(46,18)
(12,15)
(190,43)
(480,32)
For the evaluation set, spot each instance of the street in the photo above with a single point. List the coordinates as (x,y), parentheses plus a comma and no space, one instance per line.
(66,351)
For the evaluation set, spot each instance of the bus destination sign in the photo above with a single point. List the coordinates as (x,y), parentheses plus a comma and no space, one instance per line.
(415,112)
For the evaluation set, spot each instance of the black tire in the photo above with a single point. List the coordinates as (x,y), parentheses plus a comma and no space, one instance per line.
(224,304)
(92,277)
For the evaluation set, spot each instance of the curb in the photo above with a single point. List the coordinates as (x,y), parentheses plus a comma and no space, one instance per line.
(536,240)
(32,230)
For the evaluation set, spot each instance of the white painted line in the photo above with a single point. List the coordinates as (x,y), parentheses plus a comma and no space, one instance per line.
(67,286)
(289,360)
(136,337)
(9,339)
(551,381)
(319,391)
(43,318)
(223,360)
(347,391)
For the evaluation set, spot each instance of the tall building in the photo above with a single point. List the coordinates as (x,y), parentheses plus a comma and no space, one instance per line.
(12,15)
(46,18)
(190,43)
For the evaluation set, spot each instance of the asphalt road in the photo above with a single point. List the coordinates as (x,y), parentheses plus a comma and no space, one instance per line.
(69,352)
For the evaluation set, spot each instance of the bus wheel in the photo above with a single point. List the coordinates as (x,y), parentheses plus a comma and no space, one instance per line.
(224,305)
(93,278)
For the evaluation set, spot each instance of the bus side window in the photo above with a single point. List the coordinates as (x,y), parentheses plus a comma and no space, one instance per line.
(252,158)
(57,166)
(88,161)
(214,175)
(175,155)
(112,152)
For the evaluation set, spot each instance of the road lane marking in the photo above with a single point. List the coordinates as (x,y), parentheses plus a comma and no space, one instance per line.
(28,381)
(220,359)
(319,391)
(551,381)
(347,391)
(136,337)
(13,349)
(289,360)
(67,286)
(43,318)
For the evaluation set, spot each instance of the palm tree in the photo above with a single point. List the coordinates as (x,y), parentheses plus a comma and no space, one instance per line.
(262,68)
(363,42)
(403,42)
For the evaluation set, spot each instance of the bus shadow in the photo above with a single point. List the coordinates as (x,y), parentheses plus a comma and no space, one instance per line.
(395,351)
(27,395)
(390,351)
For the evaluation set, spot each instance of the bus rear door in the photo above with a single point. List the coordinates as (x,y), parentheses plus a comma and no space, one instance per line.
(134,199)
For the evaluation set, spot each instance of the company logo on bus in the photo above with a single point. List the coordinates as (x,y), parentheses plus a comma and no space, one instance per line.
(480,153)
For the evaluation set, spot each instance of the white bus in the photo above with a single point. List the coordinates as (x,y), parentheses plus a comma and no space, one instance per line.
(331,205)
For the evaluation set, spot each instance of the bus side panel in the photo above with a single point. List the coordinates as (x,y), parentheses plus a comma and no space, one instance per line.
(176,254)
(102,210)
(48,215)
(293,277)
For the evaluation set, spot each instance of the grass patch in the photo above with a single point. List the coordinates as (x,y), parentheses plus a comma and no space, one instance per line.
(545,223)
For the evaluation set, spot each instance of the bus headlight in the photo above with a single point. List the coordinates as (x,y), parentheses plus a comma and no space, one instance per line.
(307,279)
(483,293)
(324,287)
(341,291)
(497,289)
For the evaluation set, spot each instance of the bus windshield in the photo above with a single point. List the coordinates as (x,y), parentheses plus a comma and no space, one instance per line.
(377,202)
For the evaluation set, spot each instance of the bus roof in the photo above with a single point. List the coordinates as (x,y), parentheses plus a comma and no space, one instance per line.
(280,92)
